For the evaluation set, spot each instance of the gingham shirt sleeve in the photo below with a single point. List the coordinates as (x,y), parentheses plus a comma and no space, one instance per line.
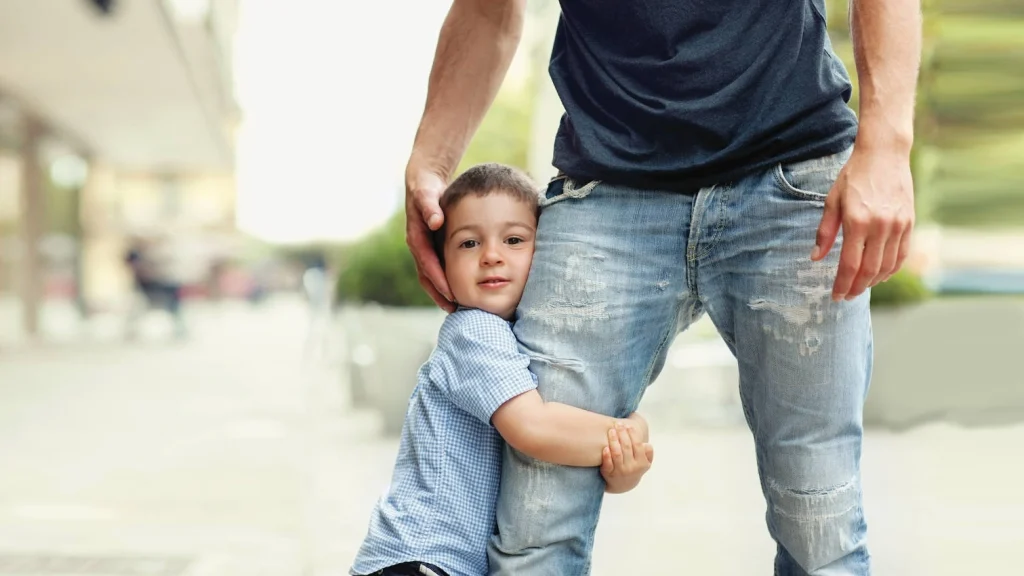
(482,365)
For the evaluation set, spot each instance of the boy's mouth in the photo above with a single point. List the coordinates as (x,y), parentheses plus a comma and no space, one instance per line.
(492,282)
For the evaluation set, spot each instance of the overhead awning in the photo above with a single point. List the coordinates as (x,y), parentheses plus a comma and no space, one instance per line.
(136,87)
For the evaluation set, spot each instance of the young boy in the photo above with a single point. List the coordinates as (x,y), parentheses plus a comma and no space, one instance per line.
(438,515)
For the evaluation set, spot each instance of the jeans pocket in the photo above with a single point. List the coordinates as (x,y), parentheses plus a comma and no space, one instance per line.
(562,187)
(811,179)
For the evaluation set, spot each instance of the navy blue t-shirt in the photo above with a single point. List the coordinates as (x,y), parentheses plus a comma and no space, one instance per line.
(679,94)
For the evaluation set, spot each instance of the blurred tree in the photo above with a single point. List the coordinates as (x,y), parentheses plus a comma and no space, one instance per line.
(904,288)
(380,268)
(504,134)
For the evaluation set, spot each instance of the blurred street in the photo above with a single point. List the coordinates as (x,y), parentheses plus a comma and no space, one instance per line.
(191,453)
(236,453)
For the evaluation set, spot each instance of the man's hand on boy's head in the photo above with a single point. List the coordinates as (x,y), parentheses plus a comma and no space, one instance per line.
(423,215)
(625,460)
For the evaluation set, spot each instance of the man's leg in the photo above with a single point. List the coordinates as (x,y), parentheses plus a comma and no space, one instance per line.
(607,294)
(805,364)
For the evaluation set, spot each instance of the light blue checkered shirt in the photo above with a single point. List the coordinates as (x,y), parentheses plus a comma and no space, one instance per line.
(440,505)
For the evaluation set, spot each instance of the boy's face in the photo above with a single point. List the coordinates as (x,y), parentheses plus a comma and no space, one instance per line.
(488,250)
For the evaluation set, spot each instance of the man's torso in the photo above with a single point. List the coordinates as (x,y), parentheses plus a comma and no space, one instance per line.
(681,94)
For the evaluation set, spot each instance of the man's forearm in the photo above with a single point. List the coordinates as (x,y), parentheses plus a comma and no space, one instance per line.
(887,50)
(474,50)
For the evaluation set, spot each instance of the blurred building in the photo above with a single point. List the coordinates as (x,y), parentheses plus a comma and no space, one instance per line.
(117,119)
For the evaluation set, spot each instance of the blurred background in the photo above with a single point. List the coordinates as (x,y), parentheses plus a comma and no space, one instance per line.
(210,324)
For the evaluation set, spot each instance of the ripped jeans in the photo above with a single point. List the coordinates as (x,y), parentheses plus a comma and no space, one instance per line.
(617,273)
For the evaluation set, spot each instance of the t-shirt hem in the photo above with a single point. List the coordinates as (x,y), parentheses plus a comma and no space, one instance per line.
(578,168)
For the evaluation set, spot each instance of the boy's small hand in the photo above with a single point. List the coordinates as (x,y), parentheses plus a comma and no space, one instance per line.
(625,460)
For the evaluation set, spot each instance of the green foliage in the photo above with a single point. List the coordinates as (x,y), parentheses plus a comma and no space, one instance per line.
(380,268)
(61,208)
(902,289)
(504,134)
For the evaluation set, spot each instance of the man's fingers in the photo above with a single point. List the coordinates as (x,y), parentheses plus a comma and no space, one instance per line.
(417,237)
(430,210)
(904,249)
(828,229)
(870,265)
(854,235)
(436,296)
(889,259)
(432,275)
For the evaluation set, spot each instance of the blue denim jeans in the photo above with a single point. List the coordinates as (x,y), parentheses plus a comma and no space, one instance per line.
(618,272)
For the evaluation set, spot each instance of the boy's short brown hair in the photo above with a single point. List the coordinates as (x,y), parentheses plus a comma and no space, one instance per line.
(484,180)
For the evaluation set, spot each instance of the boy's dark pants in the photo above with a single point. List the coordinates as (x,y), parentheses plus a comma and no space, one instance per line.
(411,569)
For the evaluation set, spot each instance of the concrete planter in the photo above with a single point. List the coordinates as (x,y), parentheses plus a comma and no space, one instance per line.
(949,359)
(385,348)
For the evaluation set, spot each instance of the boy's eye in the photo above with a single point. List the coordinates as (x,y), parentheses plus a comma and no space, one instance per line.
(514,240)
(468,244)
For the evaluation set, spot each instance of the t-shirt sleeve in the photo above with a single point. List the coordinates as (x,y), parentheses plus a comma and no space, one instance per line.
(481,364)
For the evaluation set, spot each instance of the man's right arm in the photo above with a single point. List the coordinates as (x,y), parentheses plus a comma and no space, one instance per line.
(474,50)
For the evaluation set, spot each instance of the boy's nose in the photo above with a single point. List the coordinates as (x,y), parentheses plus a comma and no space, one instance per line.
(491,257)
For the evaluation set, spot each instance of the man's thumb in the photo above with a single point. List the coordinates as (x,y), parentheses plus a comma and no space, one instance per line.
(831,220)
(431,213)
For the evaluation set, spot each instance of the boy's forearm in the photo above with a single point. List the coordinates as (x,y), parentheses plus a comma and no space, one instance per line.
(564,434)
(474,50)
(887,50)
(555,432)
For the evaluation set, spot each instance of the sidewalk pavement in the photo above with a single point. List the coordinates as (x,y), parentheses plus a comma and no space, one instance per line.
(196,455)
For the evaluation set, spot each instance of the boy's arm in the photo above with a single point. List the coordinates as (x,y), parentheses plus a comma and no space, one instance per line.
(558,433)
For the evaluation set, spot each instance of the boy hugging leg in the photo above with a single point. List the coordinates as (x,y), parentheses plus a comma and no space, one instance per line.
(476,392)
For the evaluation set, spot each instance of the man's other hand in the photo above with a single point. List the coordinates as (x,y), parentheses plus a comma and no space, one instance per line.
(873,201)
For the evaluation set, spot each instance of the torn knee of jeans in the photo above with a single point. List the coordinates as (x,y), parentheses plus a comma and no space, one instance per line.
(816,526)
(810,504)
